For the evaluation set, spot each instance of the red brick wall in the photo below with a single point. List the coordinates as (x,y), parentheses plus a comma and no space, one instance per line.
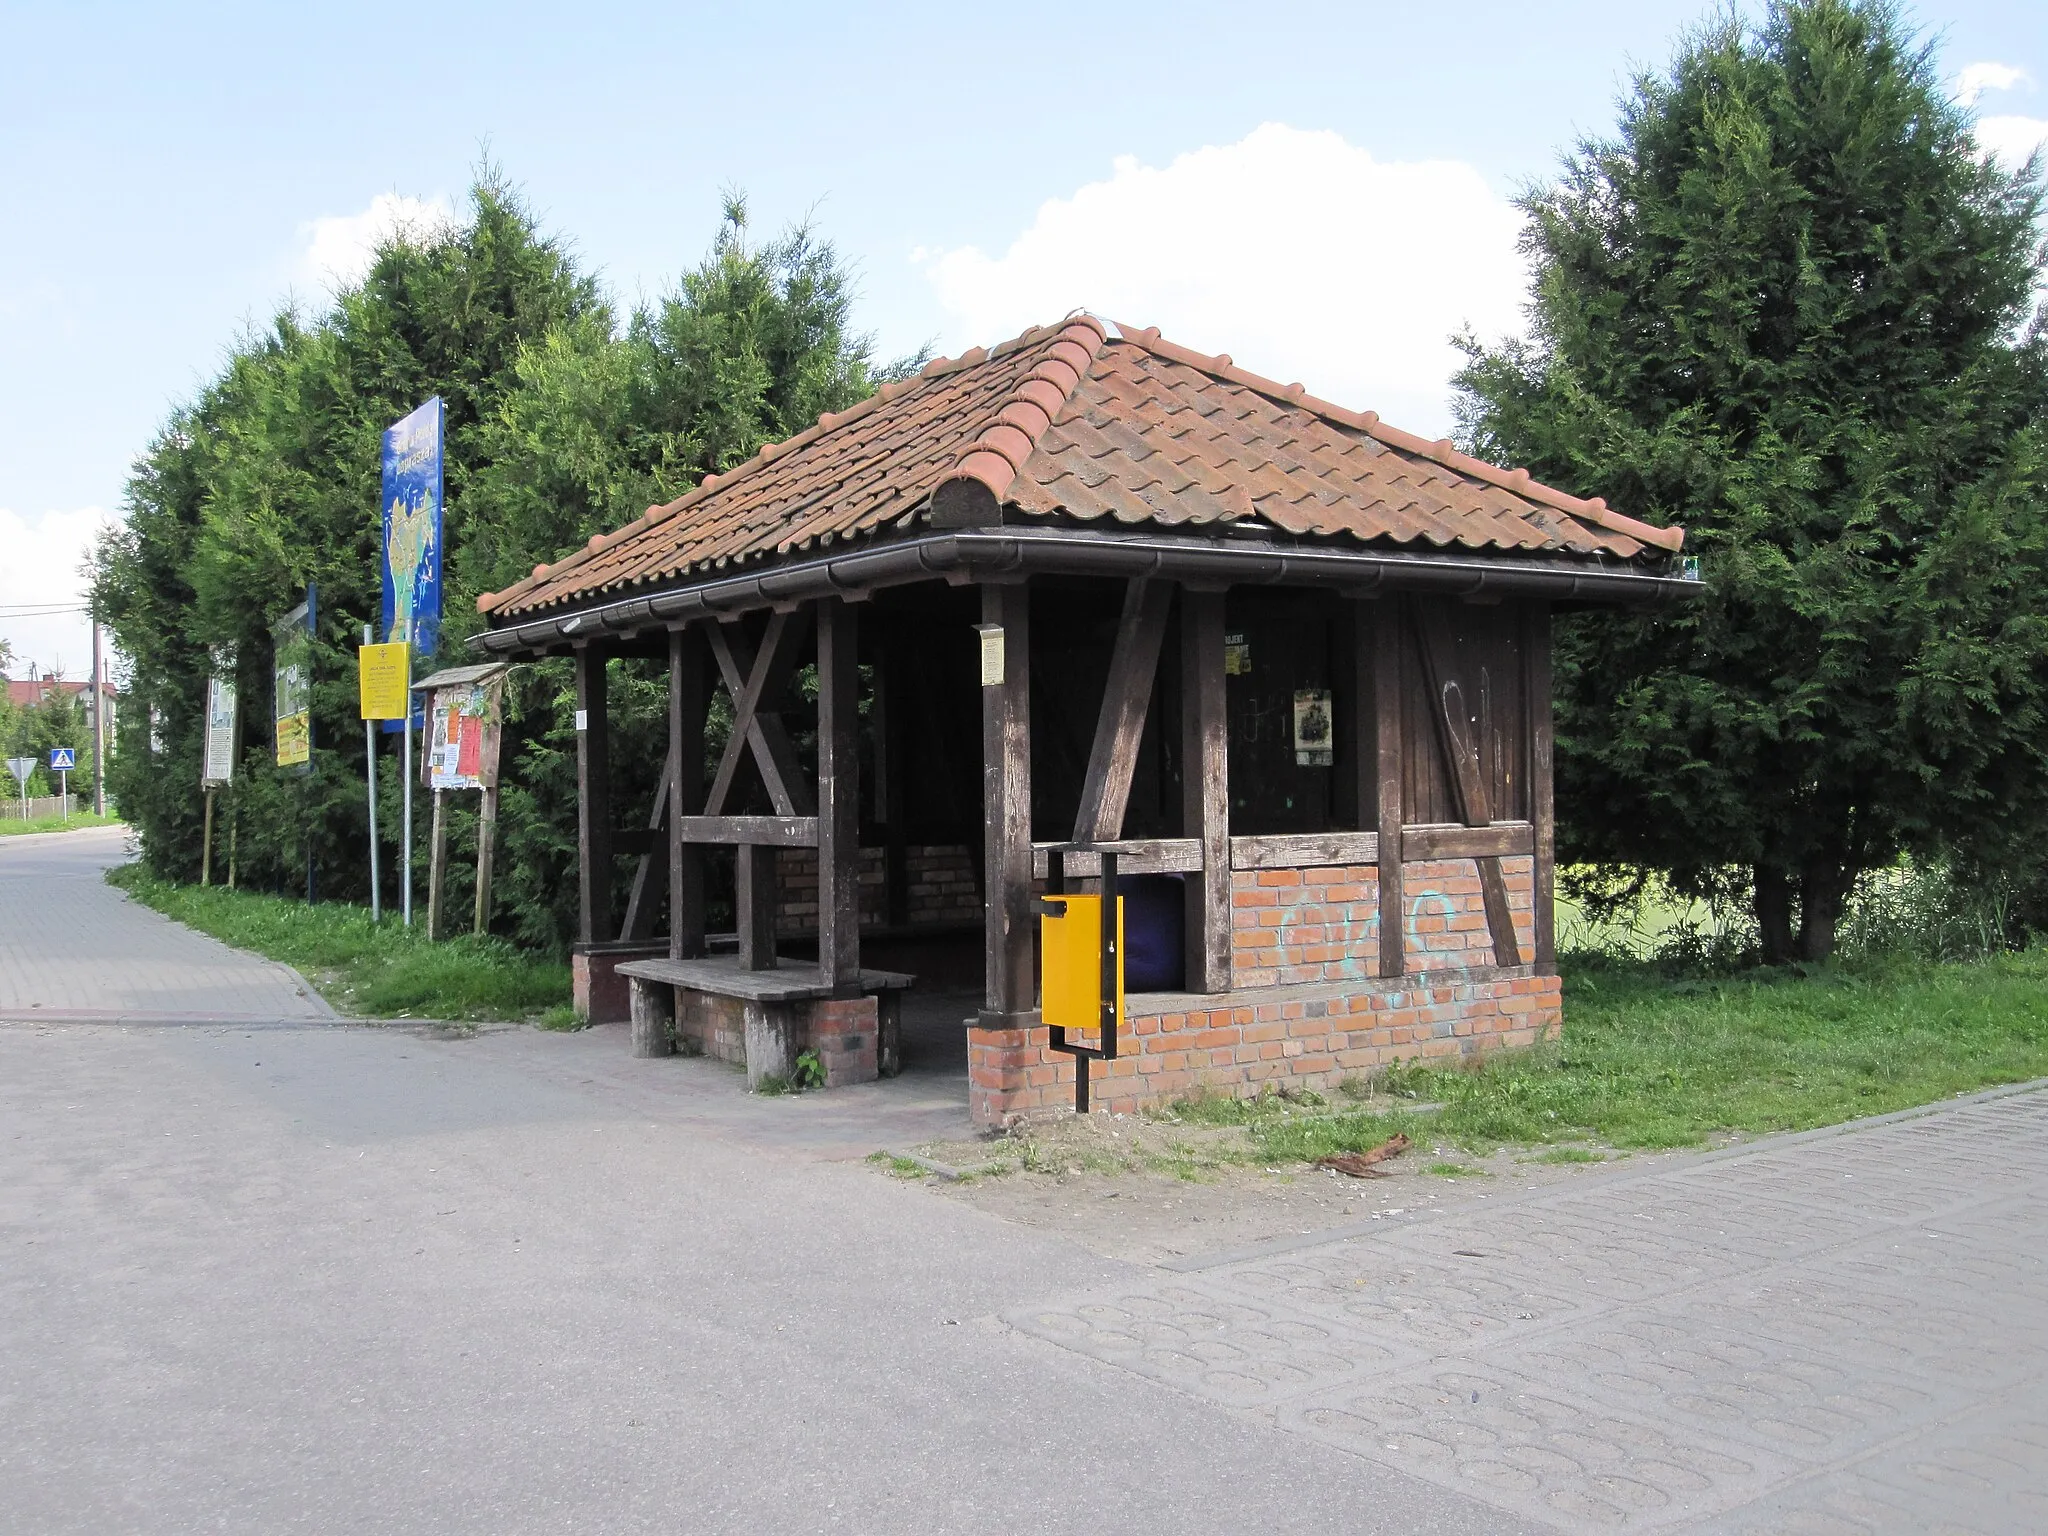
(1313,1036)
(1310,925)
(1308,1006)
(940,888)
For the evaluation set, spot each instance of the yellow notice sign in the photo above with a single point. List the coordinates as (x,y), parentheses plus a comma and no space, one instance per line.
(383,679)
(1071,953)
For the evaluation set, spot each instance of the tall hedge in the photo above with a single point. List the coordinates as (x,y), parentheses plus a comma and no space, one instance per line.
(560,422)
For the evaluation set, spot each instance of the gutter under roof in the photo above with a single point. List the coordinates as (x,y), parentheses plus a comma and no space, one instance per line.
(993,554)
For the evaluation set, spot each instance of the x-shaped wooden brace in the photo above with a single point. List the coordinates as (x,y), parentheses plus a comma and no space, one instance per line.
(1468,783)
(750,678)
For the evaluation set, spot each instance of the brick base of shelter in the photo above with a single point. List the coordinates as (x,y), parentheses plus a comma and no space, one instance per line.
(1309,1009)
(766,1038)
(1311,1035)
(597,991)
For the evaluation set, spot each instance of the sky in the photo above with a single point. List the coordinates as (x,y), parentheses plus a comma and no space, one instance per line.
(1323,191)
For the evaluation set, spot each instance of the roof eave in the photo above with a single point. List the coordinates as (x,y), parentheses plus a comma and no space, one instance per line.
(1007,550)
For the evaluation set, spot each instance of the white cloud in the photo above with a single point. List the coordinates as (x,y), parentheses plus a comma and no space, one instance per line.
(1975,79)
(43,570)
(337,250)
(1297,253)
(2011,139)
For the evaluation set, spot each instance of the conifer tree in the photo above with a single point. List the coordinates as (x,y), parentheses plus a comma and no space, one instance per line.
(1788,306)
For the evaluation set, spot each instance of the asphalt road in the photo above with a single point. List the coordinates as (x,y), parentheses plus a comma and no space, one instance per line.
(300,1275)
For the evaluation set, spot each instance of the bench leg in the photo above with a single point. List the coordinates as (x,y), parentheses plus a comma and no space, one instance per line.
(771,1042)
(654,1017)
(889,1033)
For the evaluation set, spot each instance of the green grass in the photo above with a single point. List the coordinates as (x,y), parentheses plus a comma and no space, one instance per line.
(1647,1061)
(79,819)
(368,970)
(1455,1171)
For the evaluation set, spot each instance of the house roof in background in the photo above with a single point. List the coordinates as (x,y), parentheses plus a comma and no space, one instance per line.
(1071,425)
(32,691)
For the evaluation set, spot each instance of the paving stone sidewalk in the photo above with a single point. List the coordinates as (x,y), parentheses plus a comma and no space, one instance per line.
(1840,1332)
(71,946)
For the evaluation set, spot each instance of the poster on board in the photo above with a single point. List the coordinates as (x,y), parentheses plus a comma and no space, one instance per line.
(1315,739)
(292,650)
(218,766)
(463,733)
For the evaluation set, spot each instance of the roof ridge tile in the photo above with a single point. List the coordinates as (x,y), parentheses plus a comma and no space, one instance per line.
(995,457)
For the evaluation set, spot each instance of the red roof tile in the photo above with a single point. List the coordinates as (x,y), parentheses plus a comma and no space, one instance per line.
(1070,425)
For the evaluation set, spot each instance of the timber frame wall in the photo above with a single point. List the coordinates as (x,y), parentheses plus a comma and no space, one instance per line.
(1441,789)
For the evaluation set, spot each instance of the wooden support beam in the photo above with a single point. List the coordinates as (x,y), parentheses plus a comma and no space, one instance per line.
(1106,788)
(486,857)
(1205,790)
(733,831)
(1384,632)
(1304,850)
(754,905)
(1492,841)
(1468,783)
(689,701)
(1542,790)
(752,679)
(1010,983)
(1134,856)
(593,798)
(838,796)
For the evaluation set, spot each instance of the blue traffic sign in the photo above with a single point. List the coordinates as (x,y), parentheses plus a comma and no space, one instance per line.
(63,757)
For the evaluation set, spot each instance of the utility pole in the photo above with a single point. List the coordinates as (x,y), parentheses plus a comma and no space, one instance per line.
(99,727)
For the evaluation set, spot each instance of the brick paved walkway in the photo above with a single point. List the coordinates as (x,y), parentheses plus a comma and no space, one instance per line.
(73,946)
(1839,1332)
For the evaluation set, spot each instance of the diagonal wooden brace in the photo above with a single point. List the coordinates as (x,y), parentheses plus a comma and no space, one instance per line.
(1468,781)
(1106,789)
(750,678)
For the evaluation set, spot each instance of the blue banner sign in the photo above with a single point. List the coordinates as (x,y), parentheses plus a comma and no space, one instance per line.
(412,529)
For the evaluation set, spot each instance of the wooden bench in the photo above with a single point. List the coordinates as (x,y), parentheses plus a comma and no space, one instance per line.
(783,1011)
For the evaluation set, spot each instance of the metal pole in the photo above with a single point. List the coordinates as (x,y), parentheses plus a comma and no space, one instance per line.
(370,751)
(99,733)
(64,793)
(405,774)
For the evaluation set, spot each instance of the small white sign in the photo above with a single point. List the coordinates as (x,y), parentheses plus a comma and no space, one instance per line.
(991,654)
(582,719)
(218,765)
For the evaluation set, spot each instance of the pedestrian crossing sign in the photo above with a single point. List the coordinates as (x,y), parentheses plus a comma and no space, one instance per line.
(63,757)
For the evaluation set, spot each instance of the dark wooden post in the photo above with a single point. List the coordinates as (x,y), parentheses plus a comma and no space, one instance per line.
(437,865)
(754,905)
(1542,792)
(838,797)
(1011,990)
(593,797)
(1205,789)
(1385,630)
(688,701)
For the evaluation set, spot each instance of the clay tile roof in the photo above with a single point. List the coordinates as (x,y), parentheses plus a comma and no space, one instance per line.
(1069,424)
